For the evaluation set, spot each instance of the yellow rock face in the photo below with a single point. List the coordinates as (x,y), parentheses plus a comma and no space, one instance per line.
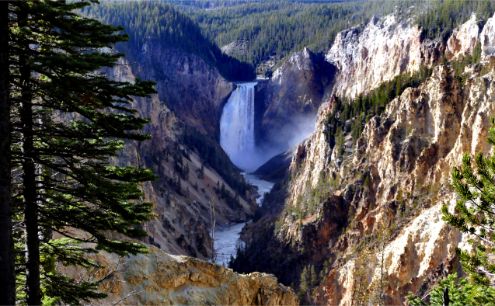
(158,278)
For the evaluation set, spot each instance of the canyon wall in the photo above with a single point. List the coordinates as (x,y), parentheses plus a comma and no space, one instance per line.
(367,55)
(191,192)
(368,217)
(287,103)
(192,88)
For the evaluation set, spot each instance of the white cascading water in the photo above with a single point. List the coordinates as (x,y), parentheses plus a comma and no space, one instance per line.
(237,140)
(237,127)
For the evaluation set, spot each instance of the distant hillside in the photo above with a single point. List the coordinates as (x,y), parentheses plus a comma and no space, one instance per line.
(274,29)
(441,17)
(157,23)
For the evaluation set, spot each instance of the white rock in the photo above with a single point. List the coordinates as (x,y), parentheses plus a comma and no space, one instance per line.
(464,39)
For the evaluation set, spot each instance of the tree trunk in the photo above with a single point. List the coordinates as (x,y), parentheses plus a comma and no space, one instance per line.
(7,275)
(29,175)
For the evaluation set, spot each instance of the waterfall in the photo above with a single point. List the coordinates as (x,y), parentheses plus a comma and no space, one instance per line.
(237,140)
(237,127)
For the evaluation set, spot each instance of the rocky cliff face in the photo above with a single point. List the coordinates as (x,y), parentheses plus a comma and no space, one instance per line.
(463,40)
(190,192)
(370,54)
(192,88)
(158,278)
(238,48)
(369,216)
(288,102)
(487,39)
(397,179)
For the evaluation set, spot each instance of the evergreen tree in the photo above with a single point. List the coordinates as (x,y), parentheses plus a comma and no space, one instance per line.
(28,165)
(458,291)
(159,24)
(7,285)
(474,213)
(72,120)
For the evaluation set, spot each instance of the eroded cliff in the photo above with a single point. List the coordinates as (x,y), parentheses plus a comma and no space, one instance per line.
(367,214)
(370,54)
(192,88)
(291,97)
(159,278)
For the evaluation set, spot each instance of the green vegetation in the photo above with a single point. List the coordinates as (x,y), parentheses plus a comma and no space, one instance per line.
(460,65)
(277,28)
(442,17)
(473,214)
(308,280)
(68,123)
(350,116)
(458,291)
(274,29)
(270,29)
(319,193)
(215,158)
(157,24)
(231,199)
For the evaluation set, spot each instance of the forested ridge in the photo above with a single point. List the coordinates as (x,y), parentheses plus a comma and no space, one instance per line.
(269,29)
(442,17)
(277,28)
(158,23)
(274,29)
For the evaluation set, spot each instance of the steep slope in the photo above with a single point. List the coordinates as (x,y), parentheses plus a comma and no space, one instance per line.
(197,187)
(193,89)
(168,47)
(193,189)
(370,54)
(400,180)
(368,217)
(289,100)
(463,40)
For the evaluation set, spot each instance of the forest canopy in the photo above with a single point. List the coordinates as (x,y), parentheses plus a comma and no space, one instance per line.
(158,23)
(269,30)
(274,29)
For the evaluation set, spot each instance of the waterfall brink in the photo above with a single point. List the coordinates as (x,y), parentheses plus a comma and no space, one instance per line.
(237,127)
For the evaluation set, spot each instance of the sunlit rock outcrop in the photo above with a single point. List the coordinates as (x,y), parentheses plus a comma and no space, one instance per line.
(487,38)
(396,179)
(464,39)
(387,185)
(369,54)
(158,278)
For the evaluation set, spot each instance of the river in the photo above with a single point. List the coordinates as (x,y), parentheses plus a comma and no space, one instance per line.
(237,138)
(226,239)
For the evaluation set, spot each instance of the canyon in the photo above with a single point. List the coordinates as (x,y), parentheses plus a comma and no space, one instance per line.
(354,223)
(368,217)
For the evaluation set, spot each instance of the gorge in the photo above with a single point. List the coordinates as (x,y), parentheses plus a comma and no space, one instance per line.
(237,138)
(321,182)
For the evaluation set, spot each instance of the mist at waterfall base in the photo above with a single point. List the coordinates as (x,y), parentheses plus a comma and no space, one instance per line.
(237,131)
(237,138)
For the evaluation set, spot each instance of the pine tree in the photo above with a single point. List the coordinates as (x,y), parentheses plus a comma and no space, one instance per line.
(28,165)
(7,284)
(474,213)
(459,292)
(72,120)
